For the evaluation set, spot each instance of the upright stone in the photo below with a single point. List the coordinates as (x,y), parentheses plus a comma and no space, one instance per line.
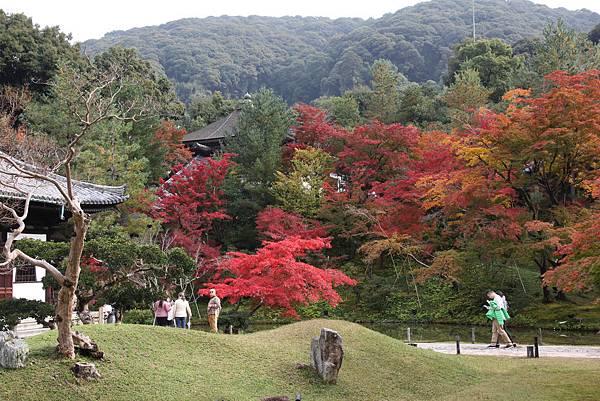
(13,351)
(327,354)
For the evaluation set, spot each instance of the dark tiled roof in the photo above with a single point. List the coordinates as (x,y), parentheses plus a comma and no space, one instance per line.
(216,131)
(45,192)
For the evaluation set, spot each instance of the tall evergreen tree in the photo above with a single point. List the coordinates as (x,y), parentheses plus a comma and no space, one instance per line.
(264,124)
(564,49)
(384,101)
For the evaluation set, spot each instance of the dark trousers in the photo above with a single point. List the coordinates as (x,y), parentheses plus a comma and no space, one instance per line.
(180,321)
(161,321)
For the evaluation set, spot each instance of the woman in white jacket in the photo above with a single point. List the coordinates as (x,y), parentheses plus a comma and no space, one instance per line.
(181,311)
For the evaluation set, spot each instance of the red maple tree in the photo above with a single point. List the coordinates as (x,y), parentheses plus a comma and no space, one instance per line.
(168,139)
(276,277)
(191,200)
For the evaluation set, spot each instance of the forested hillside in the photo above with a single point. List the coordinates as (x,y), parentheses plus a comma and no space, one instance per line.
(304,58)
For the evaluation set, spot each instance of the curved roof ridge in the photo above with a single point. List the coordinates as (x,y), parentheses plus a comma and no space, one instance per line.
(45,192)
(212,130)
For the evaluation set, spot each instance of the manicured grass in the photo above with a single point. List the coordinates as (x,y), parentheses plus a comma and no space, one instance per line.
(154,363)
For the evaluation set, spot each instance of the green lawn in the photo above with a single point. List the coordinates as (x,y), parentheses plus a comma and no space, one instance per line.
(154,363)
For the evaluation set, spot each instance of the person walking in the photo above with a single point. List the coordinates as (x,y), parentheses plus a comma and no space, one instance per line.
(504,307)
(182,311)
(504,301)
(161,312)
(497,316)
(213,309)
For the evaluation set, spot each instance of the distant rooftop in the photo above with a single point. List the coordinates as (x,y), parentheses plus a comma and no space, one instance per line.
(215,132)
(45,192)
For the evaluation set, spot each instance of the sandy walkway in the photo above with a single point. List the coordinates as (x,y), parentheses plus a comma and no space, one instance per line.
(562,351)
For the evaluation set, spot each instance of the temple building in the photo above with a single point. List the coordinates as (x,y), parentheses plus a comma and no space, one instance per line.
(46,220)
(207,140)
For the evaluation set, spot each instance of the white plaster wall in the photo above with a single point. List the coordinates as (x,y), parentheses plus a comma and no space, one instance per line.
(32,291)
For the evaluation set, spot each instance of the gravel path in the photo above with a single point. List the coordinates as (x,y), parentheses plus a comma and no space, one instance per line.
(555,351)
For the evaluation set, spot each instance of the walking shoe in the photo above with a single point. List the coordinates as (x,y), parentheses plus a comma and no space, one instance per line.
(492,346)
(509,346)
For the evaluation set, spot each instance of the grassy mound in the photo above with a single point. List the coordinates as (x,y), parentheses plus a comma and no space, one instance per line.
(155,363)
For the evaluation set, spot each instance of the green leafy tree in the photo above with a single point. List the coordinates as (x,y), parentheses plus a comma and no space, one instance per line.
(342,110)
(421,104)
(492,59)
(264,124)
(116,269)
(594,35)
(562,48)
(208,109)
(110,158)
(301,190)
(29,55)
(384,101)
(465,96)
(12,311)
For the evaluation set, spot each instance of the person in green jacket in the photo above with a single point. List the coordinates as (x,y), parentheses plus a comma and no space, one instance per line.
(497,315)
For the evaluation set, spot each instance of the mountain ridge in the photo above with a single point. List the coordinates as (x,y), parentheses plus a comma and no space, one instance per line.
(302,58)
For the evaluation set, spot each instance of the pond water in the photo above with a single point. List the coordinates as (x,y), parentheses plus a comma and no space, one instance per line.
(434,332)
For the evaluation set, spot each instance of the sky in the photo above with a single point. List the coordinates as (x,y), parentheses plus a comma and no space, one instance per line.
(86,19)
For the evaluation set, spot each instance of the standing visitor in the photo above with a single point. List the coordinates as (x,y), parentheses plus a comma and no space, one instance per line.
(213,310)
(181,311)
(161,312)
(171,316)
(497,316)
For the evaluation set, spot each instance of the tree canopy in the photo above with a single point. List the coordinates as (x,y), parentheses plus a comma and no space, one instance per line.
(302,59)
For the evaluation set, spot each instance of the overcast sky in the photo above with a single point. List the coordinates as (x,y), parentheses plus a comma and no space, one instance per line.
(91,19)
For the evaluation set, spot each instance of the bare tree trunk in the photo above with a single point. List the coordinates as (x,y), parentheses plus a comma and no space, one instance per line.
(543,267)
(255,309)
(66,295)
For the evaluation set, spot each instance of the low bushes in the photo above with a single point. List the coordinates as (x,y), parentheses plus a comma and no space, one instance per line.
(12,311)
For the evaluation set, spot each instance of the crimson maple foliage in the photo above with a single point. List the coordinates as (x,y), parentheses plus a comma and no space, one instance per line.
(276,224)
(191,200)
(275,277)
(313,129)
(375,153)
(169,140)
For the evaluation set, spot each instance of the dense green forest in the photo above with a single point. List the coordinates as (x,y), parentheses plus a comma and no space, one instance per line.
(304,58)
